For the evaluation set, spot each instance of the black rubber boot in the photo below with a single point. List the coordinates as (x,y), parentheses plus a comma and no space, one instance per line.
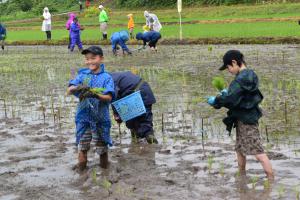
(151,139)
(104,36)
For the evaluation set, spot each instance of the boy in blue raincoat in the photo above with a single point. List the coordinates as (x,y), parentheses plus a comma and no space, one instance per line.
(150,37)
(75,35)
(2,35)
(120,38)
(92,117)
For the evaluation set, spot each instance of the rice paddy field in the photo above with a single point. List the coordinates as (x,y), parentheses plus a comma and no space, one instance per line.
(199,22)
(195,157)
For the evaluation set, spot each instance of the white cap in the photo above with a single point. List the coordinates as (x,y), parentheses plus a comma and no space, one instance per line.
(101,7)
(146,13)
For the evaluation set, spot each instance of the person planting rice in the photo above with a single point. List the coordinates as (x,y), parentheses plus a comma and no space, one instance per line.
(95,89)
(150,37)
(75,35)
(140,127)
(119,38)
(242,99)
(2,35)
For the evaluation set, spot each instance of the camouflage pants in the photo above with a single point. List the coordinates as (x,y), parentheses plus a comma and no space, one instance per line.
(248,140)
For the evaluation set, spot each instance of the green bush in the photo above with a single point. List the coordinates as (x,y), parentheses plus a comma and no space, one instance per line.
(91,12)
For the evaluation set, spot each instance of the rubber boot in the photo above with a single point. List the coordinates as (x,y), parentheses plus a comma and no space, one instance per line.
(151,139)
(104,160)
(2,47)
(134,137)
(104,36)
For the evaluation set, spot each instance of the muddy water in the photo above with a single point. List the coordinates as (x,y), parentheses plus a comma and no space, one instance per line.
(195,157)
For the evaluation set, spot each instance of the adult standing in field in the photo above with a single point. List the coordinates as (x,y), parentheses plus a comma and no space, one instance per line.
(46,27)
(152,21)
(103,20)
(80,6)
(2,35)
(87,4)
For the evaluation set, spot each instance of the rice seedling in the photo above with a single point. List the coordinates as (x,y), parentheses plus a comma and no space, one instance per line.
(94,176)
(219,83)
(266,184)
(297,193)
(106,184)
(254,180)
(221,169)
(4,105)
(210,162)
(281,191)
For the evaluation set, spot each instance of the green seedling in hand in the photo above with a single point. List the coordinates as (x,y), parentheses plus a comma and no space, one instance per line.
(97,90)
(219,83)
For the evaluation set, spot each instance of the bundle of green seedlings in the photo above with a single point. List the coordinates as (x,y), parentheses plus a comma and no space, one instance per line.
(219,83)
(97,90)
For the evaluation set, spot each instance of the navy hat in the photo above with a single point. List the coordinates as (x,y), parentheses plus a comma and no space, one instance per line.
(231,55)
(139,36)
(94,50)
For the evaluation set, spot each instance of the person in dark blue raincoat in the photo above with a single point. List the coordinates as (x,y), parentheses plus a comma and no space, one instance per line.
(150,37)
(119,38)
(125,84)
(92,117)
(75,35)
(2,35)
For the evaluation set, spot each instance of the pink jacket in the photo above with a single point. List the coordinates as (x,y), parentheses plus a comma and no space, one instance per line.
(70,20)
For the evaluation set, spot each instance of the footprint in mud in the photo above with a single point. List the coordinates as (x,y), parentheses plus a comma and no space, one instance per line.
(276,156)
(5,135)
(45,138)
(19,149)
(19,159)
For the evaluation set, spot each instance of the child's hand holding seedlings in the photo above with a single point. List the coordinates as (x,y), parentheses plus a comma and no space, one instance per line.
(80,88)
(224,92)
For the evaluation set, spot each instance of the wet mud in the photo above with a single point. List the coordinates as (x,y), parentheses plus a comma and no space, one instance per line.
(195,157)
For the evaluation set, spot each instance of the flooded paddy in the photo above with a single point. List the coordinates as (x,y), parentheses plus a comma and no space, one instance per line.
(195,158)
